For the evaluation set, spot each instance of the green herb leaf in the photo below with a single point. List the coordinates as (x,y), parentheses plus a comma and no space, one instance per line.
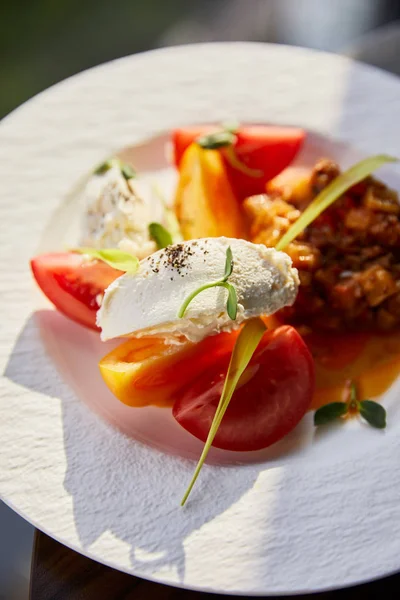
(245,346)
(127,171)
(373,413)
(228,264)
(104,167)
(226,139)
(122,261)
(170,216)
(231,305)
(219,139)
(329,413)
(332,192)
(160,235)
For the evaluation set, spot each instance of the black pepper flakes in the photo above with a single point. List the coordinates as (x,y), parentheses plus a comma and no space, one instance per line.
(176,257)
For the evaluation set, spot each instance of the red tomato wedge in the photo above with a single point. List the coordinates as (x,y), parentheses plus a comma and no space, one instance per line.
(267,149)
(273,395)
(73,284)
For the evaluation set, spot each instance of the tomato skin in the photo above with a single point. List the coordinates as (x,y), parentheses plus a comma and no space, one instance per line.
(143,371)
(275,392)
(269,149)
(265,148)
(72,283)
(182,138)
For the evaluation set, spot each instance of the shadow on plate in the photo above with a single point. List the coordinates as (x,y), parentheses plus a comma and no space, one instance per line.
(117,484)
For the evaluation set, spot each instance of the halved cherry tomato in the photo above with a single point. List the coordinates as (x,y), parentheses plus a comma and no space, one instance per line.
(151,371)
(265,148)
(73,284)
(274,393)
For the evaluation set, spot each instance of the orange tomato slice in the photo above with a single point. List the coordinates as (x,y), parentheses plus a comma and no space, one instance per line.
(150,371)
(205,204)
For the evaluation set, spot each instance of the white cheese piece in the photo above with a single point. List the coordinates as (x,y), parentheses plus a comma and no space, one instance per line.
(148,302)
(118,213)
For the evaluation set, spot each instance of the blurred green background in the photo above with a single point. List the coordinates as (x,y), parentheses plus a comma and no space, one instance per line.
(45,41)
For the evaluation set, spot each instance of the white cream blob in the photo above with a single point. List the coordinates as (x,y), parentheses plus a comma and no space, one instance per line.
(148,301)
(118,213)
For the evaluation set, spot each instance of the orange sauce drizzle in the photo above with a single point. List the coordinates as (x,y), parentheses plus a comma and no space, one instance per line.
(372,361)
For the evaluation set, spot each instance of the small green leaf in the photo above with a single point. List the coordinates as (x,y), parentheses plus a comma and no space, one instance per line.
(245,346)
(170,216)
(329,413)
(231,305)
(226,139)
(332,192)
(127,171)
(373,413)
(104,167)
(160,235)
(122,261)
(228,264)
(219,139)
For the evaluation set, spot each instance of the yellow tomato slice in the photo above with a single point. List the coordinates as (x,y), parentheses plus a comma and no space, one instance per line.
(205,204)
(150,371)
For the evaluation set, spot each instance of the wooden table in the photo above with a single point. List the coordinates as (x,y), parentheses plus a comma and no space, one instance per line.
(61,574)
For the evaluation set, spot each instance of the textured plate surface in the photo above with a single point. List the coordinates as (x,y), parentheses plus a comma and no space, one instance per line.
(324,520)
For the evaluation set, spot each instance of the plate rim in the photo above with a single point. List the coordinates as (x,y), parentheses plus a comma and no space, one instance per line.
(46,97)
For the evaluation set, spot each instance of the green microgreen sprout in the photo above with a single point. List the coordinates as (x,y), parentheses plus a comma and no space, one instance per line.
(122,261)
(231,304)
(370,411)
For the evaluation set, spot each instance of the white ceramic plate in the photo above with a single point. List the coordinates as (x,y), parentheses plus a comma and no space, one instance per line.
(312,513)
